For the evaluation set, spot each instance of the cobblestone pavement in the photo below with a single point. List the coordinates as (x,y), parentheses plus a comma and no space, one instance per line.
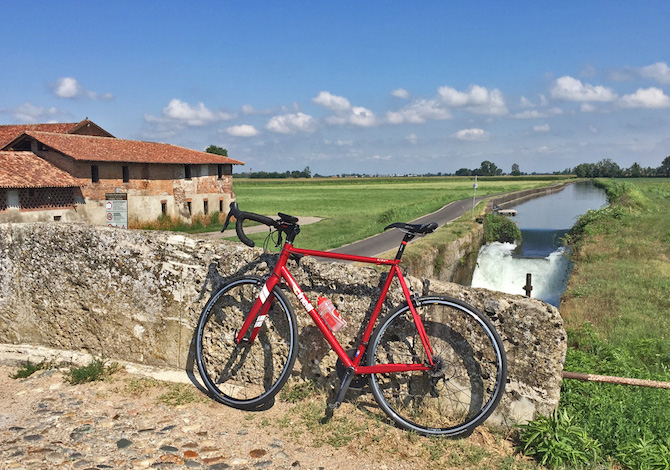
(46,423)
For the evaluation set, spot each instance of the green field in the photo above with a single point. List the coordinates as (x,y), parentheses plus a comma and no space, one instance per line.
(356,208)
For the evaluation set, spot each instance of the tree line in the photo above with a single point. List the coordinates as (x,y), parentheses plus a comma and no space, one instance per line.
(605,168)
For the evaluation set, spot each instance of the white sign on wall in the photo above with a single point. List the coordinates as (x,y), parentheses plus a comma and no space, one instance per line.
(116,209)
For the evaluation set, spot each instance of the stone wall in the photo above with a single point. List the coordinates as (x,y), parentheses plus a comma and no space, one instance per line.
(137,296)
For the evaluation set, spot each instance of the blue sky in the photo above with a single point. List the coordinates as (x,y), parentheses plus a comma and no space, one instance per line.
(376,87)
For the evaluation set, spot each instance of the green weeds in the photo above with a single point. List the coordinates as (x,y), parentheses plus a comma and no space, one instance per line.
(28,368)
(180,394)
(96,370)
(557,441)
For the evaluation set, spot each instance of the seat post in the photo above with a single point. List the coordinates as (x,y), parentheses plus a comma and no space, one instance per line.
(406,239)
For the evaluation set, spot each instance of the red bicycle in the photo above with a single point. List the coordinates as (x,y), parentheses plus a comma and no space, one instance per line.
(436,365)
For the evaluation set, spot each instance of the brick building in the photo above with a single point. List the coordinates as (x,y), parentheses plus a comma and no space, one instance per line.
(67,171)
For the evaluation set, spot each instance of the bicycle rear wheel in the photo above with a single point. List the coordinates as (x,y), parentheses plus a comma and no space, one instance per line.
(245,375)
(469,377)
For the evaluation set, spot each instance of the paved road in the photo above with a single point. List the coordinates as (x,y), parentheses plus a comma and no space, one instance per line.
(391,239)
(376,244)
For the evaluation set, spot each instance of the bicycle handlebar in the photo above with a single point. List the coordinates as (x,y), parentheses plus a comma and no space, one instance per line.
(241,216)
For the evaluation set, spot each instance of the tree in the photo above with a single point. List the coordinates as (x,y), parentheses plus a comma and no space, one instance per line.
(488,168)
(217,150)
(608,169)
(664,169)
(515,170)
(463,172)
(635,171)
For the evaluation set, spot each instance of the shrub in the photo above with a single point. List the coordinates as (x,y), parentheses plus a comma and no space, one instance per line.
(498,228)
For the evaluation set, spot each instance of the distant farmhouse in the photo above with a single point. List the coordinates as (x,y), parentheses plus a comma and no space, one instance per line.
(68,172)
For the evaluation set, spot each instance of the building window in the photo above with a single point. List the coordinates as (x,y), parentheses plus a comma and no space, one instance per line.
(220,205)
(95,174)
(219,171)
(164,207)
(205,206)
(126,173)
(228,169)
(187,172)
(188,208)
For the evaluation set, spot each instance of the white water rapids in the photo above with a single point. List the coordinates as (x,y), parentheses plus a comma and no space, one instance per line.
(497,269)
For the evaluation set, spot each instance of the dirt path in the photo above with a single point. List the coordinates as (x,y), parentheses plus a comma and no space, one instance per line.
(131,422)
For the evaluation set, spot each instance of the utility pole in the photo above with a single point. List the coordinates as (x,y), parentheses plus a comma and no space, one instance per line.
(474,193)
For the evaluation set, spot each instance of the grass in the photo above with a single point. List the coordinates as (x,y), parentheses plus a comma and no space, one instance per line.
(359,425)
(616,313)
(199,223)
(180,394)
(356,208)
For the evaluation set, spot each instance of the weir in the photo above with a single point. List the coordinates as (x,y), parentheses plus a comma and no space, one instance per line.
(543,222)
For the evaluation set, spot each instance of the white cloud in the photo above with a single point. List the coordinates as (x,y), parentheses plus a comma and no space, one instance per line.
(243,130)
(332,102)
(477,99)
(538,114)
(400,93)
(587,108)
(381,157)
(525,103)
(357,116)
(542,128)
(646,98)
(361,116)
(291,123)
(198,115)
(658,71)
(472,134)
(571,89)
(70,88)
(418,112)
(28,113)
(412,139)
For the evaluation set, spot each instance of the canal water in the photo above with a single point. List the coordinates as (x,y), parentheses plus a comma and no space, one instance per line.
(543,222)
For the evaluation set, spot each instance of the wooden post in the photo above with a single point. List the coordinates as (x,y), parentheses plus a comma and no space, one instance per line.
(615,380)
(529,284)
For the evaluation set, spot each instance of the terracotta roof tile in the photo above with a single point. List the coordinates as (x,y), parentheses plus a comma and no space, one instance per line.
(104,149)
(11,132)
(27,170)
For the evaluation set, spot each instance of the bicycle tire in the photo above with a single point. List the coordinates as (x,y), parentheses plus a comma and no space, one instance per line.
(246,375)
(469,382)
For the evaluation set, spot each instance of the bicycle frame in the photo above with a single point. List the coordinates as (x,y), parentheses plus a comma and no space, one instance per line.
(280,272)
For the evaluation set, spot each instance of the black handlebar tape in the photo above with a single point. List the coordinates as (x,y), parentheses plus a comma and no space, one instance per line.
(240,234)
(255,217)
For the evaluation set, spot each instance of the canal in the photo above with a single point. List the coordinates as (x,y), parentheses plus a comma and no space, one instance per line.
(543,222)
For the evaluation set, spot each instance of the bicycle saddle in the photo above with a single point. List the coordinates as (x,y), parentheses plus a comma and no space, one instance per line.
(414,228)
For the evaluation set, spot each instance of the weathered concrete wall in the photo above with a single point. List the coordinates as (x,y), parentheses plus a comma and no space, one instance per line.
(452,262)
(137,296)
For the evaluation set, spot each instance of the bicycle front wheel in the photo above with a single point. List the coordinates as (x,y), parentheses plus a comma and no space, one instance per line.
(245,375)
(468,378)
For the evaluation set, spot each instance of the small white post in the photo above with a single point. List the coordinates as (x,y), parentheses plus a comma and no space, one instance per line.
(474,193)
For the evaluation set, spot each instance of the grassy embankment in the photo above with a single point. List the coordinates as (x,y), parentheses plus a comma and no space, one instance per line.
(617,313)
(356,208)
